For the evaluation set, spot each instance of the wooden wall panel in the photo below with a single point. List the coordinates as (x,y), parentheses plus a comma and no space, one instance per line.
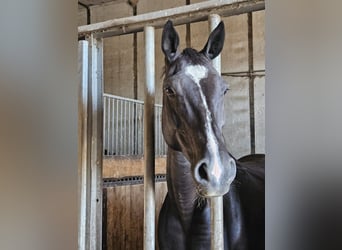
(122,166)
(125,211)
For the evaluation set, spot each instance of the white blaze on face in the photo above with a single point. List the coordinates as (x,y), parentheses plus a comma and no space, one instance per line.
(197,73)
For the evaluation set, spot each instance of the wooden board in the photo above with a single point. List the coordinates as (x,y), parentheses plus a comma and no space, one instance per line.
(123,208)
(124,211)
(121,166)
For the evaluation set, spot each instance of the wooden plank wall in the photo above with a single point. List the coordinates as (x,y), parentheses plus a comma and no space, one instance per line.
(123,215)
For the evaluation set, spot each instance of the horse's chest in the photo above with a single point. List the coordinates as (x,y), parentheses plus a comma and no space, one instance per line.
(199,233)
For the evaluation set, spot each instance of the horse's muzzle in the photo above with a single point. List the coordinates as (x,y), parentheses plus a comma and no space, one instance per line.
(213,177)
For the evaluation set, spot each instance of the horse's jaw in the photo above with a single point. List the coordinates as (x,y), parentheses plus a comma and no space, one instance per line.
(181,187)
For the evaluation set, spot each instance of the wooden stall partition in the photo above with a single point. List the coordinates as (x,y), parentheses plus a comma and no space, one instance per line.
(123,201)
(124,212)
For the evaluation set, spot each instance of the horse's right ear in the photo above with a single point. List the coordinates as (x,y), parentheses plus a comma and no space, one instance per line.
(170,41)
(215,42)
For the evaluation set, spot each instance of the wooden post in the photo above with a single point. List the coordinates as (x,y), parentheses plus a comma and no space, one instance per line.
(216,203)
(149,149)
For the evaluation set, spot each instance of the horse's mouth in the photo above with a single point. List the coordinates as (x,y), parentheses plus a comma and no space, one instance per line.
(206,192)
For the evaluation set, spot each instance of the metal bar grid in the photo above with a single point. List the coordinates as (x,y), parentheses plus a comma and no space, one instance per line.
(123,128)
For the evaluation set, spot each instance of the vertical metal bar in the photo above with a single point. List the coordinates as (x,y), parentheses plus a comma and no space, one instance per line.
(121,122)
(126,131)
(83,162)
(113,124)
(117,127)
(129,128)
(138,126)
(216,203)
(110,125)
(251,80)
(106,121)
(149,187)
(135,57)
(107,116)
(104,124)
(132,127)
(96,81)
(124,127)
(106,127)
(158,131)
(141,128)
(136,123)
(188,30)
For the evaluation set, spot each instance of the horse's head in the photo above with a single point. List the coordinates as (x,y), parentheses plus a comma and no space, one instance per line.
(193,110)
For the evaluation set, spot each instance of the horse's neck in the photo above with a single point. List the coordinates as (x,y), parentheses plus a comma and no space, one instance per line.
(181,188)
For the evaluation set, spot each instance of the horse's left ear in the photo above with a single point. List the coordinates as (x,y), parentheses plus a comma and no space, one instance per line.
(215,42)
(170,41)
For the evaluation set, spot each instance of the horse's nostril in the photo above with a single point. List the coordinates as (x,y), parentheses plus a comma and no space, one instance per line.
(202,171)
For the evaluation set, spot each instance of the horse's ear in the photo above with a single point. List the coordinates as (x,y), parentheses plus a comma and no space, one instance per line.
(215,42)
(170,41)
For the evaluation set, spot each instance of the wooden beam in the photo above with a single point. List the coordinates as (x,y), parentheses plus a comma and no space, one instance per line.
(179,15)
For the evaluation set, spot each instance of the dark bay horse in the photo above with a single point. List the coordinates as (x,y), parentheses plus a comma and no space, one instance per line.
(198,163)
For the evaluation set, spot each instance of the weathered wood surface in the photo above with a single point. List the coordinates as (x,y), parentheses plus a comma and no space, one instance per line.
(124,205)
(125,215)
(121,166)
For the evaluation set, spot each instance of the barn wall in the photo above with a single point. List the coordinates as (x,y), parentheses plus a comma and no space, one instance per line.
(259,83)
(123,205)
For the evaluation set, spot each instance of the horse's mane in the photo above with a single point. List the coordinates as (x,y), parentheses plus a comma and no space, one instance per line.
(194,57)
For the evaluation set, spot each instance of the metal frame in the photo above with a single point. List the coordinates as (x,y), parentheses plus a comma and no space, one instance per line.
(180,15)
(90,116)
(216,203)
(149,186)
(90,139)
(83,221)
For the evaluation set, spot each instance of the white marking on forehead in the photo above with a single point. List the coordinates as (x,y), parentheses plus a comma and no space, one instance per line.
(197,73)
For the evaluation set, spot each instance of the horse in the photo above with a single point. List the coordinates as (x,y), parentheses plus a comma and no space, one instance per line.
(199,165)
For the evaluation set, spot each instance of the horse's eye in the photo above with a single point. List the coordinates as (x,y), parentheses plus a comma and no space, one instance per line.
(225,91)
(169,91)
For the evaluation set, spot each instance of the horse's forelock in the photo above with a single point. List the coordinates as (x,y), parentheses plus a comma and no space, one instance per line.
(188,56)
